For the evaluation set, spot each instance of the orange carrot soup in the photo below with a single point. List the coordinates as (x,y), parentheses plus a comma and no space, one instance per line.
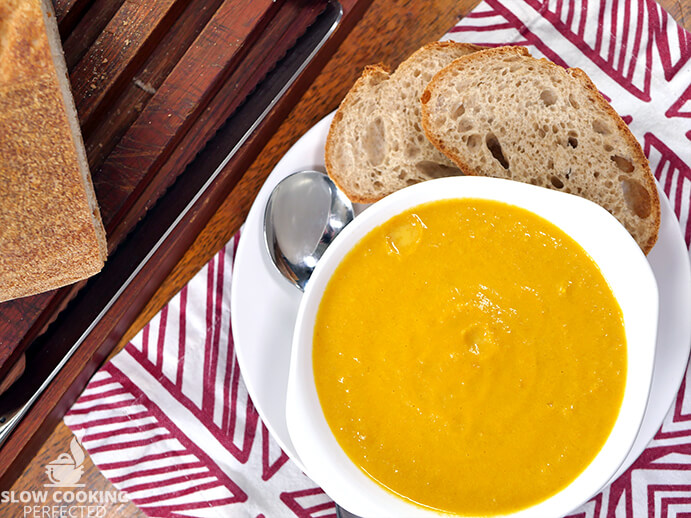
(469,356)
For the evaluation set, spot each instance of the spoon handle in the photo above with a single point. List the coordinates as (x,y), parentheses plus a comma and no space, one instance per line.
(342,513)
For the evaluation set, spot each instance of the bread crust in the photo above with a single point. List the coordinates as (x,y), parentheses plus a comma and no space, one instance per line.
(638,158)
(373,75)
(50,228)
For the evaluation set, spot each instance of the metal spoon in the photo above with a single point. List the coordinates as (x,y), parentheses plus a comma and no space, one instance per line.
(304,214)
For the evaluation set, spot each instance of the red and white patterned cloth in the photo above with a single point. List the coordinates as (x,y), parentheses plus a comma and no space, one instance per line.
(169,420)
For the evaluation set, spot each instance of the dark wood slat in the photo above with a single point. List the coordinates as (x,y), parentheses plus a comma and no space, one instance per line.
(137,93)
(15,372)
(177,103)
(293,19)
(62,7)
(276,39)
(87,30)
(68,12)
(19,323)
(124,44)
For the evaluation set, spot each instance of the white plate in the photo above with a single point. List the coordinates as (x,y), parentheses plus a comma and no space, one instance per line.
(264,306)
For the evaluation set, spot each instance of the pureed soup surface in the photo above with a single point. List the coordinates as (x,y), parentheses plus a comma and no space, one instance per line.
(470,356)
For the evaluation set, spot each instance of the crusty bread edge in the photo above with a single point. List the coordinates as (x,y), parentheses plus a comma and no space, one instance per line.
(56,52)
(639,159)
(370,70)
(441,45)
(595,95)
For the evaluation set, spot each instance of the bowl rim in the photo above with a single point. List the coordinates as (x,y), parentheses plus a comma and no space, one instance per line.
(613,249)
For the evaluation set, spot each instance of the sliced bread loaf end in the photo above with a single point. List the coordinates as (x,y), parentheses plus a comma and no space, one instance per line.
(376,144)
(503,113)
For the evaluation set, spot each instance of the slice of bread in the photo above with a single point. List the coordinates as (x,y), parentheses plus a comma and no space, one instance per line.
(505,114)
(51,232)
(376,144)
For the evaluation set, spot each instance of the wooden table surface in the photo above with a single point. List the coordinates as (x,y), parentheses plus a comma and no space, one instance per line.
(389,31)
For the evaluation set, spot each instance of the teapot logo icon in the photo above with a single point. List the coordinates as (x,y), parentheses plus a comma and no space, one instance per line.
(67,469)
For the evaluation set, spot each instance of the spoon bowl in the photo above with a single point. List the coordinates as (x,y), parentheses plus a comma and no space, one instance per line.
(304,214)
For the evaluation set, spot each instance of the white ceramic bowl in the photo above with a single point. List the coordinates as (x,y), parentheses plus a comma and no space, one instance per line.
(621,262)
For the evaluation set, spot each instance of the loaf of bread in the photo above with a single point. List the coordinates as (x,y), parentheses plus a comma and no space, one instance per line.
(50,227)
(505,114)
(376,144)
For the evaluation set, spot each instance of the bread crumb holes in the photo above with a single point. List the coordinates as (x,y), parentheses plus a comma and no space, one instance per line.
(636,197)
(601,127)
(374,143)
(492,143)
(465,125)
(474,141)
(548,97)
(622,163)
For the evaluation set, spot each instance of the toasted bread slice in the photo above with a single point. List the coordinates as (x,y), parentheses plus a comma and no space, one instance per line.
(50,227)
(505,114)
(376,144)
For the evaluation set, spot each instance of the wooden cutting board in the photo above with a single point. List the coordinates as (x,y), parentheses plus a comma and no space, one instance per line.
(142,74)
(156,84)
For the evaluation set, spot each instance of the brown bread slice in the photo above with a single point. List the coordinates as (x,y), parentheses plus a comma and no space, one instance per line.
(376,144)
(50,227)
(505,114)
